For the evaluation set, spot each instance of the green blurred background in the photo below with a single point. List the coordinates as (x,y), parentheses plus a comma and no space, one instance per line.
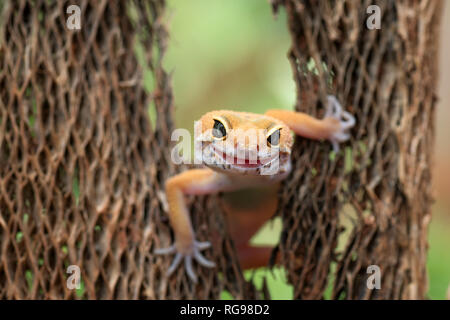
(232,54)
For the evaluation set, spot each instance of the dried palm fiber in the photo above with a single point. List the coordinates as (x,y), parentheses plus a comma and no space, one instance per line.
(377,189)
(82,170)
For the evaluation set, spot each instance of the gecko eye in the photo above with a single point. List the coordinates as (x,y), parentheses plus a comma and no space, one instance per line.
(219,132)
(273,140)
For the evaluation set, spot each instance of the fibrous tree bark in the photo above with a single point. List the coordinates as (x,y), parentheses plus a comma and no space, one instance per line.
(377,188)
(82,169)
(80,165)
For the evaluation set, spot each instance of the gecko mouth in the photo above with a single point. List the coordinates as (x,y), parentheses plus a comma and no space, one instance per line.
(244,162)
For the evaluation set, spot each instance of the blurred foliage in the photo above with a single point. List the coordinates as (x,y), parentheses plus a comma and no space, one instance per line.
(439,254)
(227,54)
(232,54)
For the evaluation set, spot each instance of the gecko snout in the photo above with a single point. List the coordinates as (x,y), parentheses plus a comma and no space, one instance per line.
(247,147)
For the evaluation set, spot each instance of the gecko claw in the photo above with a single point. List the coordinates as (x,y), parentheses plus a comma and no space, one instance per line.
(346,121)
(176,261)
(194,253)
(168,250)
(189,270)
(203,261)
(203,245)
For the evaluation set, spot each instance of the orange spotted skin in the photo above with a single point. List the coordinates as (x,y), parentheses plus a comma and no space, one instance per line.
(305,125)
(228,176)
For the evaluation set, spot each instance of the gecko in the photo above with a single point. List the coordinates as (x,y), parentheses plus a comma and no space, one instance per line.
(241,150)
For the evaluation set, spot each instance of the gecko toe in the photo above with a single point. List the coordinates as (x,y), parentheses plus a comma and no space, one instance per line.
(203,261)
(175,263)
(335,146)
(203,245)
(346,121)
(162,251)
(189,269)
(334,108)
(341,136)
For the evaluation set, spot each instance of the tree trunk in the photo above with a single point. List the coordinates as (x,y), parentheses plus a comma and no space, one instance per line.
(371,203)
(82,169)
(80,166)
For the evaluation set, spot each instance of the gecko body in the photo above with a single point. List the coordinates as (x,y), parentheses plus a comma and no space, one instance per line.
(242,150)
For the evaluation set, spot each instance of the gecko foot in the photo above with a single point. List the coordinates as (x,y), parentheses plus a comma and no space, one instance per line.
(346,121)
(194,252)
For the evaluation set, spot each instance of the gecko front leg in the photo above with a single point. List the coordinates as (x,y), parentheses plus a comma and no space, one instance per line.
(333,127)
(192,182)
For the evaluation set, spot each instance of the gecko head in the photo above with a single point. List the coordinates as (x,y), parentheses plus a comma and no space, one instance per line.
(244,143)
